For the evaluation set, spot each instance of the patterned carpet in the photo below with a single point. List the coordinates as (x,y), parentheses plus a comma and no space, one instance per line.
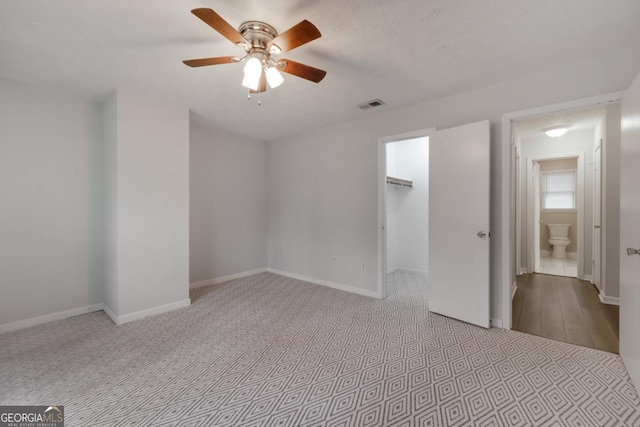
(273,351)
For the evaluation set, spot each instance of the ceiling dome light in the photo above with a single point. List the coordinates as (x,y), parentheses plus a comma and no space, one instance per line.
(556,131)
(274,78)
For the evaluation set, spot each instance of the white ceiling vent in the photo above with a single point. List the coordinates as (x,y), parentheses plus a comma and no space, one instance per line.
(370,104)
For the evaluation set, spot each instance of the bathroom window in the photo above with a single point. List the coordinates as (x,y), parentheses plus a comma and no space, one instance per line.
(558,190)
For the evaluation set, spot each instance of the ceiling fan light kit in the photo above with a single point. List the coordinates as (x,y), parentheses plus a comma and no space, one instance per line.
(260,41)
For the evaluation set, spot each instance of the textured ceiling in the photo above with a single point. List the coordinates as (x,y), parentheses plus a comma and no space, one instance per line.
(579,120)
(401,51)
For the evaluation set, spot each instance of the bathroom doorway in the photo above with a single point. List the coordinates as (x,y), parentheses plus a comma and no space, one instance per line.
(557,212)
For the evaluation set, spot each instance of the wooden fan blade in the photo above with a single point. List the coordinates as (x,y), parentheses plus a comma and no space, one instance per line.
(216,22)
(301,70)
(262,87)
(299,34)
(210,61)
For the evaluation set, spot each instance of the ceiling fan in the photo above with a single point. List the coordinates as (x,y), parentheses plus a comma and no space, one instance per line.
(260,41)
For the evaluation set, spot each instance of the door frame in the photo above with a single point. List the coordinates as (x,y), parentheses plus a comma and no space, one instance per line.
(531,216)
(381,289)
(506,241)
(596,250)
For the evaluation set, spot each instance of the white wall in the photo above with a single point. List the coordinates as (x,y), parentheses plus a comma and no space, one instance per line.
(51,202)
(152,204)
(571,142)
(323,183)
(630,232)
(228,215)
(412,205)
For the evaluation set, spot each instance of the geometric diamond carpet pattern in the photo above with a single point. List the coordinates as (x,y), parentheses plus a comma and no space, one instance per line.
(268,350)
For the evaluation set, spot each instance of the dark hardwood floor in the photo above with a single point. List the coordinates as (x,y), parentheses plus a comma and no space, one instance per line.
(565,309)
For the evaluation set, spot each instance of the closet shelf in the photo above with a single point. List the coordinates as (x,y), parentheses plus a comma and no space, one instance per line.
(399,181)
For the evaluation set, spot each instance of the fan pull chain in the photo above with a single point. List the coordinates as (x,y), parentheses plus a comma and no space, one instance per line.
(259,97)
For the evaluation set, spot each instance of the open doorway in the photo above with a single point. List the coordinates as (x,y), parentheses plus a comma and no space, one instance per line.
(558,246)
(406,211)
(555,213)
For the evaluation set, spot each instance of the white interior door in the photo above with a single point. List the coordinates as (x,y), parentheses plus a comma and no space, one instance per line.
(630,232)
(597,212)
(536,216)
(459,223)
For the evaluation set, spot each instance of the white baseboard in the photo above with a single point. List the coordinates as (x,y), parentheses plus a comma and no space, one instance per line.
(609,300)
(339,286)
(586,277)
(126,318)
(523,270)
(26,323)
(110,313)
(495,323)
(514,289)
(223,279)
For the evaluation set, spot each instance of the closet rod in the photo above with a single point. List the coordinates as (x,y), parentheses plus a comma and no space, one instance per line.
(399,181)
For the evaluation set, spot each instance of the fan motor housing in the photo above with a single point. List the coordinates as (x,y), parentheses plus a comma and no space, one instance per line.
(258,33)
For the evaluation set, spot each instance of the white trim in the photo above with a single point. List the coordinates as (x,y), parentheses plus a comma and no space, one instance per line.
(506,274)
(514,288)
(586,277)
(26,323)
(515,245)
(126,318)
(420,133)
(523,271)
(495,323)
(110,313)
(226,278)
(382,202)
(608,300)
(339,286)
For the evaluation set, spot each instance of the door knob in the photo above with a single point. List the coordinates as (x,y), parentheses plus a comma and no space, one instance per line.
(631,251)
(481,234)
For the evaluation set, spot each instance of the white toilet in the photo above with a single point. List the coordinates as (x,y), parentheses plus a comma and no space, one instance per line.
(559,239)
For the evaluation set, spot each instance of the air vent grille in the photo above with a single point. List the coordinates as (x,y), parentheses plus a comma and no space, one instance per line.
(371,104)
